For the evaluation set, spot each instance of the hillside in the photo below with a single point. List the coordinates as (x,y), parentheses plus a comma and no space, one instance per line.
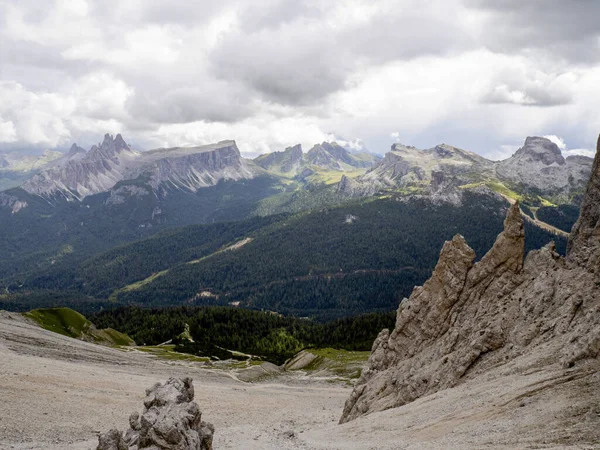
(359,257)
(70,323)
(352,239)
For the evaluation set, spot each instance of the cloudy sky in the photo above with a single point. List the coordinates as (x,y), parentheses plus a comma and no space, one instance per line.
(478,74)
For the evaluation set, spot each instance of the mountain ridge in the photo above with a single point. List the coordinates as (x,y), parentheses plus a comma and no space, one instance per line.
(113,160)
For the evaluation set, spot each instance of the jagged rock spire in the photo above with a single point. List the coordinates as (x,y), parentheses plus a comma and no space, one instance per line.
(426,351)
(583,248)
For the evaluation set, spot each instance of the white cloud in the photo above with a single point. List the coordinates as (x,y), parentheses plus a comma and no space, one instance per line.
(560,142)
(580,151)
(253,136)
(8,132)
(271,73)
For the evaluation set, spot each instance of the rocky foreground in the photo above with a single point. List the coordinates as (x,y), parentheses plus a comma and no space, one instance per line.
(472,321)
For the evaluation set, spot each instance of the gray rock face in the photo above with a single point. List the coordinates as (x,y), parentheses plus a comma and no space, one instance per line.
(171,420)
(539,164)
(11,202)
(470,318)
(289,160)
(409,167)
(119,196)
(537,167)
(584,242)
(330,155)
(101,168)
(76,152)
(195,168)
(327,155)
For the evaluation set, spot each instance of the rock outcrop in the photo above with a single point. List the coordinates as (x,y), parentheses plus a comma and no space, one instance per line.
(584,242)
(327,155)
(539,166)
(11,202)
(97,171)
(289,160)
(469,317)
(186,168)
(407,167)
(171,420)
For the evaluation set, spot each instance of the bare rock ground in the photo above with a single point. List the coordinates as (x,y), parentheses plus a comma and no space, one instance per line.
(58,393)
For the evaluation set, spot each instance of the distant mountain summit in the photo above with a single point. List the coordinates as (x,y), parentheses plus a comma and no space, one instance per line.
(536,169)
(327,156)
(539,165)
(113,160)
(289,160)
(76,152)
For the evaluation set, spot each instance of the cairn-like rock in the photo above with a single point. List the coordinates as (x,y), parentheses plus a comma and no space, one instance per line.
(470,318)
(171,420)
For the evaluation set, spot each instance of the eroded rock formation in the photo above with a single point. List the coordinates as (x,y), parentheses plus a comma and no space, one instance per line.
(471,317)
(171,420)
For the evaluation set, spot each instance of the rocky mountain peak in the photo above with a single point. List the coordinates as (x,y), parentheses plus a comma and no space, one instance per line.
(541,149)
(109,147)
(115,144)
(584,243)
(401,147)
(295,152)
(75,150)
(427,351)
(540,166)
(288,160)
(444,150)
(113,160)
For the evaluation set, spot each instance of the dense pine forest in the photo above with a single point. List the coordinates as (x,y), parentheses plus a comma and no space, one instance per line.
(334,262)
(562,216)
(215,330)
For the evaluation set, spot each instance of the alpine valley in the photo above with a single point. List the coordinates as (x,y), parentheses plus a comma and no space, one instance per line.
(326,233)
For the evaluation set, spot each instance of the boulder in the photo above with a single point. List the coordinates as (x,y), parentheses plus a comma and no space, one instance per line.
(171,420)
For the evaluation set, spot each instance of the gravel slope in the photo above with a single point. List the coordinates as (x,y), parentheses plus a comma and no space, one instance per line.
(57,393)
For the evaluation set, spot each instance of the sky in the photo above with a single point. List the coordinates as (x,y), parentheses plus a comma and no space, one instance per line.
(477,74)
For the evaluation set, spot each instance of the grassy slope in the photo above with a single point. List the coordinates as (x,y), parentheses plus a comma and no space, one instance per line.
(70,323)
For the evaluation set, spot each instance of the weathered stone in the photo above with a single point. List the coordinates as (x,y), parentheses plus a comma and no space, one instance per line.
(112,440)
(170,421)
(584,242)
(424,352)
(99,170)
(468,318)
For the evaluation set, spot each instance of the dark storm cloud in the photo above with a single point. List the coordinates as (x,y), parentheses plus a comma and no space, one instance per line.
(240,66)
(567,29)
(218,103)
(303,60)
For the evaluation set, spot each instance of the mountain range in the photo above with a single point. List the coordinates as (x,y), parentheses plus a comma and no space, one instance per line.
(79,209)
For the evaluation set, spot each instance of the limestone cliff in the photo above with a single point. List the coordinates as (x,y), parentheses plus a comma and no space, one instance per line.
(470,318)
(105,165)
